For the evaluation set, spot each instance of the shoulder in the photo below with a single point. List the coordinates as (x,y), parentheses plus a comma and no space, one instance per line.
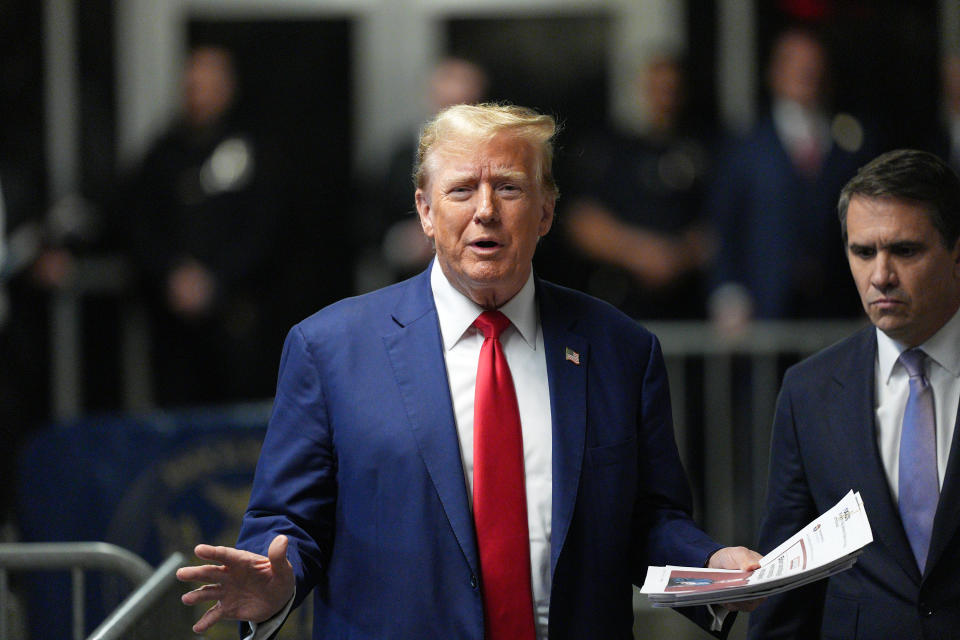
(853,353)
(365,314)
(595,319)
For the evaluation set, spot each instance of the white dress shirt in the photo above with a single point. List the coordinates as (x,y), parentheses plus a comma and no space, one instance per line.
(523,347)
(893,388)
(797,126)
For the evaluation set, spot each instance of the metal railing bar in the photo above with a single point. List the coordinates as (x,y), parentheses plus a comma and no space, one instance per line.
(4,604)
(140,601)
(717,463)
(79,597)
(104,556)
(766,383)
(768,337)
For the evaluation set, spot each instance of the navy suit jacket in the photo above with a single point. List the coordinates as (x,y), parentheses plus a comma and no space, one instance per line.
(825,444)
(361,468)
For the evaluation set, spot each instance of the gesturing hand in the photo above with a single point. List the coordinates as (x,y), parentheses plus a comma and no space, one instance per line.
(245,585)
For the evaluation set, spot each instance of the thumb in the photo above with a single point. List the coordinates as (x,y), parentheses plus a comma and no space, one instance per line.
(277,553)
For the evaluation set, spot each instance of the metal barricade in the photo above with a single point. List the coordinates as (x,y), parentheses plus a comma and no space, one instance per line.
(737,386)
(78,557)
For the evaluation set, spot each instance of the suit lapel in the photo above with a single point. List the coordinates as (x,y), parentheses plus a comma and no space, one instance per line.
(568,406)
(415,350)
(948,516)
(852,425)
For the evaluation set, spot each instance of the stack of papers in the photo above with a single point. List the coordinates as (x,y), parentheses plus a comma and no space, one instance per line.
(828,545)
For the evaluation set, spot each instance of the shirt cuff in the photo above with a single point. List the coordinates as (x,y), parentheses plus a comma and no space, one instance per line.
(267,628)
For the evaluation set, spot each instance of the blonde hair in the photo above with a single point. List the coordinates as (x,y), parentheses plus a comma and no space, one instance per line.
(465,125)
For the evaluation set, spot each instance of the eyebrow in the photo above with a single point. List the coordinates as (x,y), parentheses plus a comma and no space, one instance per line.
(498,174)
(510,174)
(888,245)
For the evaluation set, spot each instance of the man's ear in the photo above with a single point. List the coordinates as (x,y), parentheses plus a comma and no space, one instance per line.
(423,210)
(955,254)
(546,215)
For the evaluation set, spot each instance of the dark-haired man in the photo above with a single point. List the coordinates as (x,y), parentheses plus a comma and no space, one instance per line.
(876,413)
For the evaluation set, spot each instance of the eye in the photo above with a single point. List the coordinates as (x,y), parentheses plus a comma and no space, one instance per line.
(905,250)
(459,191)
(864,253)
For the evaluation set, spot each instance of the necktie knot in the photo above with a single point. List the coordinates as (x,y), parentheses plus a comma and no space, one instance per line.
(491,323)
(912,361)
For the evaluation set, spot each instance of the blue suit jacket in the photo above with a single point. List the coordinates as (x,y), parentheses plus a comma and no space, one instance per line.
(361,469)
(824,444)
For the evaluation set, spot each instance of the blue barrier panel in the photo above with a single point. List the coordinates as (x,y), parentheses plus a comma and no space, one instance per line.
(152,483)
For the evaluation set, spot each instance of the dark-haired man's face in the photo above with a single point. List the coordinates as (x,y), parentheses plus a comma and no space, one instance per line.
(909,282)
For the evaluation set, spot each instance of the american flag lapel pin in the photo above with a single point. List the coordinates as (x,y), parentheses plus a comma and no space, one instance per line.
(572,356)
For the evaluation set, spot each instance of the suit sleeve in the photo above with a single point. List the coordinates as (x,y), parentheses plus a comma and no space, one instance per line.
(789,507)
(294,489)
(665,503)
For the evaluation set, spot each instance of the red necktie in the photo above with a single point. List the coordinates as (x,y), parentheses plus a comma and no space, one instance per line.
(499,494)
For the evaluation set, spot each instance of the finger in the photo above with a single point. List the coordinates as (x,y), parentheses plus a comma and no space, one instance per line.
(749,565)
(208,619)
(752,560)
(223,555)
(206,593)
(202,573)
(278,554)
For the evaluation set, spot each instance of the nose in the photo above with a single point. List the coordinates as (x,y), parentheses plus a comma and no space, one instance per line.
(487,210)
(884,275)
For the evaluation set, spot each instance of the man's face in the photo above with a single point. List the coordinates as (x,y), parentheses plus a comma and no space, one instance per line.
(208,85)
(485,210)
(908,281)
(797,70)
(664,89)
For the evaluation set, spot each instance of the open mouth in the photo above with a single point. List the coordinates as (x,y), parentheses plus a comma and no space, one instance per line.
(485,244)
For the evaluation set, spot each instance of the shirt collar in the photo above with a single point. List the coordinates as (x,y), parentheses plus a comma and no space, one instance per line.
(941,348)
(795,123)
(456,312)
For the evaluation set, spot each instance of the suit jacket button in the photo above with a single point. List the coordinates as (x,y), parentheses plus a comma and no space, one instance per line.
(925,611)
(474,582)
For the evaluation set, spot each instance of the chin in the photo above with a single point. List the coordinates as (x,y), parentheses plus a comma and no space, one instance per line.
(895,330)
(489,275)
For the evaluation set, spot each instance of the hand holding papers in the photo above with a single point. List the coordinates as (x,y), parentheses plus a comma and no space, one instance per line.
(828,545)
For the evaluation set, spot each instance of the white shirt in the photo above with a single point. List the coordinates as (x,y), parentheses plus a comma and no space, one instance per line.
(942,367)
(523,347)
(796,126)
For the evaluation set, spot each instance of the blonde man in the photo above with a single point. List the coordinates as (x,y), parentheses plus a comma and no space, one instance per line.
(375,480)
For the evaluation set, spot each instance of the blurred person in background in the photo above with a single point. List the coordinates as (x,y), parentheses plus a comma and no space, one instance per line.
(400,245)
(947,142)
(201,220)
(23,320)
(773,198)
(635,211)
